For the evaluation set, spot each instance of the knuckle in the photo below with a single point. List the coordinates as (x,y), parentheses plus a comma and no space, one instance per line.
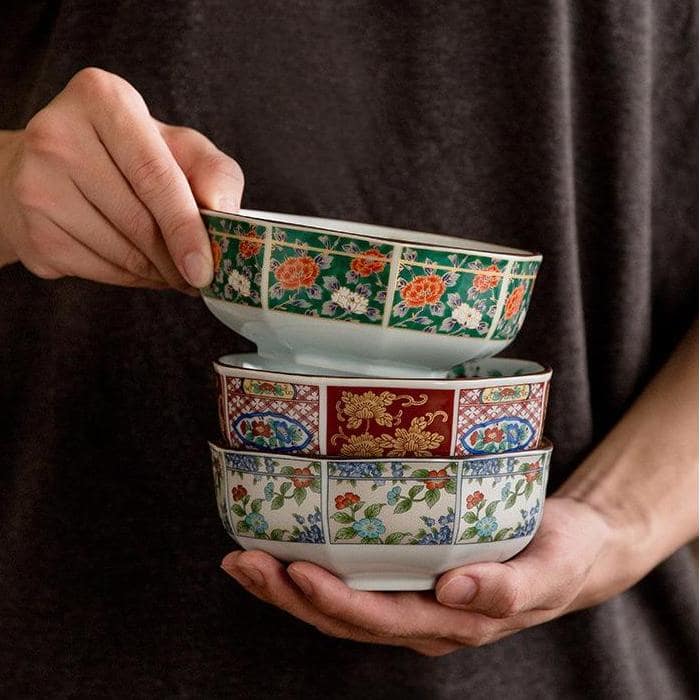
(98,84)
(508,599)
(44,132)
(141,226)
(26,188)
(178,230)
(220,164)
(137,264)
(152,177)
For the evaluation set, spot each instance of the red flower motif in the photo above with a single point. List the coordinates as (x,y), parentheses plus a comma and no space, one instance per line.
(507,391)
(238,492)
(302,483)
(473,438)
(261,428)
(483,281)
(267,386)
(513,302)
(531,476)
(368,262)
(423,290)
(346,500)
(216,255)
(250,246)
(439,484)
(474,499)
(295,273)
(493,434)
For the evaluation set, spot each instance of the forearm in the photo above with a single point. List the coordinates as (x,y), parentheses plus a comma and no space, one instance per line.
(7,144)
(643,477)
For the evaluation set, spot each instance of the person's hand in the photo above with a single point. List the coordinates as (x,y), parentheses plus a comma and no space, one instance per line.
(94,187)
(570,564)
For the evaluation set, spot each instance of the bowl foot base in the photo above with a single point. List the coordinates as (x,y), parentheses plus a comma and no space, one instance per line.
(390,582)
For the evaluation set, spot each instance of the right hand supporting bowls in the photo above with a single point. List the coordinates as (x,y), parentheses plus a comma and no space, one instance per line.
(364,299)
(479,408)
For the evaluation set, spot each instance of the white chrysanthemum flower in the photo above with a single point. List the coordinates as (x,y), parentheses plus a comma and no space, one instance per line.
(467,315)
(350,301)
(239,283)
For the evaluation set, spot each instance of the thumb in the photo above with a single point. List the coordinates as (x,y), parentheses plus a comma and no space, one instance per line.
(216,179)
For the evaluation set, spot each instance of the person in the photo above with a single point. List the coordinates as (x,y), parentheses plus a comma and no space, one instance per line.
(567,128)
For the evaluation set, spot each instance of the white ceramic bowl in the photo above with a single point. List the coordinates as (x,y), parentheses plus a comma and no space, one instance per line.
(386,524)
(364,298)
(499,406)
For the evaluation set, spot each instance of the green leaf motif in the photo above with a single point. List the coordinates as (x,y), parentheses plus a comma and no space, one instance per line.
(451,486)
(491,508)
(432,497)
(370,540)
(246,500)
(277,534)
(468,534)
(235,508)
(345,533)
(277,502)
(299,496)
(395,537)
(502,534)
(470,517)
(420,473)
(341,517)
(414,491)
(510,502)
(528,489)
(373,510)
(287,471)
(256,505)
(316,486)
(285,487)
(242,526)
(402,506)
(357,506)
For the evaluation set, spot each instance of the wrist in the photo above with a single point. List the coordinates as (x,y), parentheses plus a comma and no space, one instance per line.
(9,143)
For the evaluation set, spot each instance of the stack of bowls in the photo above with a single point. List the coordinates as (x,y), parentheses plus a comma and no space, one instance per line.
(374,433)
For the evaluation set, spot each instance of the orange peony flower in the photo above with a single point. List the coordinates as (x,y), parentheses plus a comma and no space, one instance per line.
(302,483)
(513,302)
(238,492)
(474,499)
(531,476)
(483,282)
(423,290)
(250,246)
(368,262)
(216,255)
(493,434)
(295,273)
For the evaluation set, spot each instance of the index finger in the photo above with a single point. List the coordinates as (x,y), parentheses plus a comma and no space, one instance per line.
(131,136)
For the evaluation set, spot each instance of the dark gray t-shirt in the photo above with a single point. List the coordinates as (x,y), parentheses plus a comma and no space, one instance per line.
(563,127)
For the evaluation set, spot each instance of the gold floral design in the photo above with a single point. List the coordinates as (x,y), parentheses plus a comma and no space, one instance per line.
(364,445)
(416,440)
(370,409)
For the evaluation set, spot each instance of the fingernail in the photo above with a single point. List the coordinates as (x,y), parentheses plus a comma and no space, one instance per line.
(301,581)
(198,271)
(459,591)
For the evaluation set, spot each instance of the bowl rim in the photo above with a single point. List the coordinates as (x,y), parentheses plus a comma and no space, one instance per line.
(223,368)
(545,447)
(265,217)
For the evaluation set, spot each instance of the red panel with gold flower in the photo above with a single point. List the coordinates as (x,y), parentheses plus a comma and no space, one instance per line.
(389,422)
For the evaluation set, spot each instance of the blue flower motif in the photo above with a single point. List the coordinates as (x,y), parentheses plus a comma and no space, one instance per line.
(445,535)
(505,491)
(393,496)
(486,526)
(525,528)
(269,490)
(282,433)
(314,517)
(299,518)
(369,527)
(243,463)
(428,521)
(513,432)
(256,522)
(269,465)
(312,535)
(446,519)
(397,470)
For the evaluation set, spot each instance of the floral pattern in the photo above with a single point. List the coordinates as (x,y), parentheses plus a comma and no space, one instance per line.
(498,435)
(517,299)
(392,501)
(271,431)
(272,499)
(440,292)
(328,276)
(237,251)
(376,423)
(346,278)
